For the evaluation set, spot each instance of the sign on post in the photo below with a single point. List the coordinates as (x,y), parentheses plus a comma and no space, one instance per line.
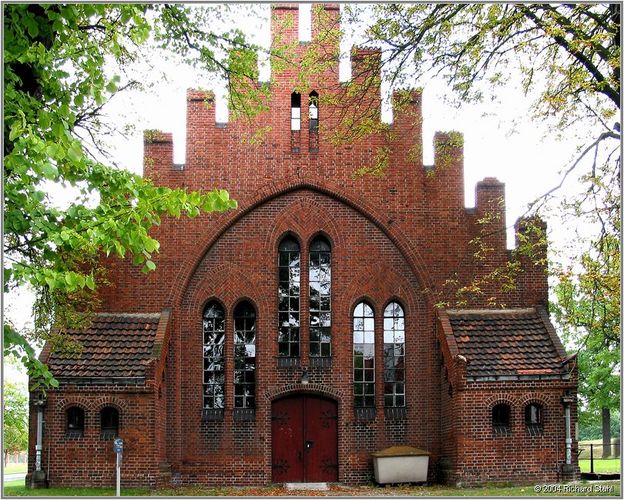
(118,449)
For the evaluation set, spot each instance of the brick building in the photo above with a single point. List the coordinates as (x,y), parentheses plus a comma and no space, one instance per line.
(288,339)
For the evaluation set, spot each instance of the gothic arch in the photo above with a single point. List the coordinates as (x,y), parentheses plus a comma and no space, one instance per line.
(272,190)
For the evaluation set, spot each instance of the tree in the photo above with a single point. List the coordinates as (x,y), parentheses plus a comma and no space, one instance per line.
(56,85)
(588,305)
(15,437)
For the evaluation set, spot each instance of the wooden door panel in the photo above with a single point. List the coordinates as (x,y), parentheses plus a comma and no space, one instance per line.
(304,439)
(320,440)
(287,436)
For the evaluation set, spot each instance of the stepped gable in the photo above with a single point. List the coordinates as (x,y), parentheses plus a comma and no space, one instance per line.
(114,346)
(506,342)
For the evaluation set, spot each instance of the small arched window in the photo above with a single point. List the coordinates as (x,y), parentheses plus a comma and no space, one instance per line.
(75,421)
(364,356)
(394,355)
(214,359)
(533,418)
(314,111)
(109,422)
(244,356)
(295,111)
(288,296)
(501,419)
(320,297)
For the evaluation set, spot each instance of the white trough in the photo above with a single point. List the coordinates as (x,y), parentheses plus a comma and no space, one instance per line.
(400,464)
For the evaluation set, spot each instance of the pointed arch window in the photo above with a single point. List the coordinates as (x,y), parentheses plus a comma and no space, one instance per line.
(313,111)
(295,111)
(244,356)
(364,356)
(394,356)
(214,358)
(288,296)
(313,115)
(320,297)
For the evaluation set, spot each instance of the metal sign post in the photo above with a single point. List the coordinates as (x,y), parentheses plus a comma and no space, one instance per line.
(118,449)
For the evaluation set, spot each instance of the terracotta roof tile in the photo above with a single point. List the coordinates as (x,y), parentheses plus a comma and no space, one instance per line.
(505,342)
(114,346)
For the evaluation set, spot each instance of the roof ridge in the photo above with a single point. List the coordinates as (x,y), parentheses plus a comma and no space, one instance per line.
(491,311)
(129,315)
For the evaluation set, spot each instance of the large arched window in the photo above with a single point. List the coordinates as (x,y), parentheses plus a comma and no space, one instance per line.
(288,296)
(320,298)
(109,422)
(364,356)
(74,421)
(244,356)
(394,355)
(214,359)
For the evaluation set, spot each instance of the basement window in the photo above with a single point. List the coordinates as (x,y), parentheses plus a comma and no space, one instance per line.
(109,423)
(75,419)
(501,419)
(533,418)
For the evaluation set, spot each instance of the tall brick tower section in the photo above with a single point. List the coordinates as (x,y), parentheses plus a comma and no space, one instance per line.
(331,285)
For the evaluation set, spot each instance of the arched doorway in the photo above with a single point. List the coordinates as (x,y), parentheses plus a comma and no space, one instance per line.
(304,439)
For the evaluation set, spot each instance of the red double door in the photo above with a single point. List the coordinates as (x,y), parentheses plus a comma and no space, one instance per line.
(304,435)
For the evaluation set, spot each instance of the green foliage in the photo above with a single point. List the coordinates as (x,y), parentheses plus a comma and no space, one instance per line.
(15,414)
(590,425)
(588,308)
(56,85)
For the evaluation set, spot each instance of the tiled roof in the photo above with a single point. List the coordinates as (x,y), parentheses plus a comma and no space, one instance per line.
(506,342)
(114,346)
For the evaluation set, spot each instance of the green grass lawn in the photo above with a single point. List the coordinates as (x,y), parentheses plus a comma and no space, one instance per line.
(609,488)
(601,465)
(15,468)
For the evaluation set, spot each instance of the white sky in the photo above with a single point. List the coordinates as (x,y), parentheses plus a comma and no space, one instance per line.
(527,161)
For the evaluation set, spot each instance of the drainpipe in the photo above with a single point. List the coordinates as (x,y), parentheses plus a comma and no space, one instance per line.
(568,435)
(39,479)
(567,401)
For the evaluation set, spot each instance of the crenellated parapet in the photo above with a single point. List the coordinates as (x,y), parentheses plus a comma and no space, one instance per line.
(294,142)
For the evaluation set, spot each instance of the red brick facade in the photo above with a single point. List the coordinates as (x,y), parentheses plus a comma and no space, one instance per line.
(398,237)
